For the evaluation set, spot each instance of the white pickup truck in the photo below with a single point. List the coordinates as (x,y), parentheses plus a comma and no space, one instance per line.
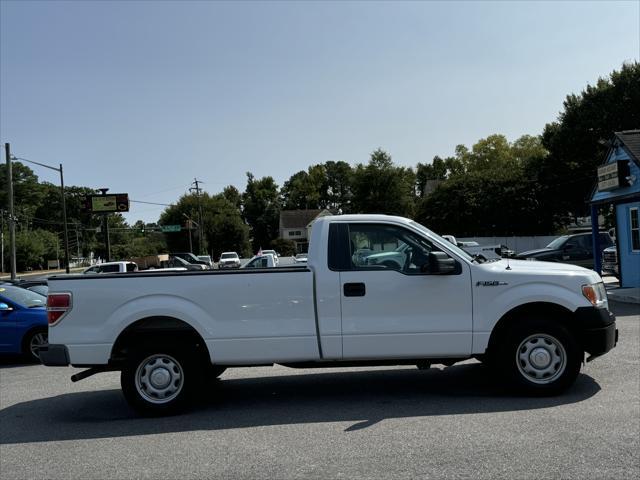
(531,321)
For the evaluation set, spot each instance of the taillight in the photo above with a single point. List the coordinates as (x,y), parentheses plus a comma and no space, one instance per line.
(57,305)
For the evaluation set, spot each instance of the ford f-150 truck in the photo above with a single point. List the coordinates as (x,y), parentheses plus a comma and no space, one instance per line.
(531,321)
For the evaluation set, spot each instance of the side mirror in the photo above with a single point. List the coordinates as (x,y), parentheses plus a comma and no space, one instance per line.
(5,308)
(441,264)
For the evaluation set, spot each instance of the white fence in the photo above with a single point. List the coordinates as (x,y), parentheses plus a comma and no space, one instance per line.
(517,244)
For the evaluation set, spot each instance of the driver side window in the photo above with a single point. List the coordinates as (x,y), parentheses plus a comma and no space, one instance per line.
(388,247)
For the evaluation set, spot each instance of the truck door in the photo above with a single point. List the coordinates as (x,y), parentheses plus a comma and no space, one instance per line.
(394,305)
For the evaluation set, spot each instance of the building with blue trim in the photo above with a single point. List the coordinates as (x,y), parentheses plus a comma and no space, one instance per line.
(619,185)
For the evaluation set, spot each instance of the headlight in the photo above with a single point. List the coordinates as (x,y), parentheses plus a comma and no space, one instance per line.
(596,294)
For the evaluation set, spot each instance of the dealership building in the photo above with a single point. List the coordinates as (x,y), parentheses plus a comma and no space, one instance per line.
(618,185)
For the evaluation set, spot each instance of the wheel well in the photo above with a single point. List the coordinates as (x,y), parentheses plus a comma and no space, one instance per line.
(559,313)
(154,331)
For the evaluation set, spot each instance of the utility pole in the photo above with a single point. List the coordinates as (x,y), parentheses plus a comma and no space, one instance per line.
(12,219)
(2,240)
(197,189)
(64,219)
(77,244)
(64,205)
(105,227)
(189,227)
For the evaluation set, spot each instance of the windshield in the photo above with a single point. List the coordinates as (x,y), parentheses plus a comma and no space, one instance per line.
(558,242)
(23,297)
(229,255)
(181,261)
(449,245)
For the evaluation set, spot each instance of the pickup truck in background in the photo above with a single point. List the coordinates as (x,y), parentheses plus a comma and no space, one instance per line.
(266,260)
(229,260)
(112,267)
(167,332)
(576,249)
(488,252)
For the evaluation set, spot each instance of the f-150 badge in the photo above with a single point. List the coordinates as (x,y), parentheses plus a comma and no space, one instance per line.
(490,283)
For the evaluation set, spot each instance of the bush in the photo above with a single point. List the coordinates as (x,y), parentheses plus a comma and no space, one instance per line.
(283,247)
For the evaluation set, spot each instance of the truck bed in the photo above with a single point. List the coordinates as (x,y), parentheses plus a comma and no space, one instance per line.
(240,314)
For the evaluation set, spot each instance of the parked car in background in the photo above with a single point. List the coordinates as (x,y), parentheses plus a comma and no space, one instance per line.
(301,258)
(23,321)
(575,249)
(112,267)
(505,252)
(610,261)
(35,285)
(274,253)
(475,249)
(266,260)
(229,260)
(175,263)
(206,259)
(189,258)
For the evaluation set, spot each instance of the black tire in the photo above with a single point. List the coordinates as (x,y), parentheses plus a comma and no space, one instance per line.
(32,341)
(539,357)
(160,381)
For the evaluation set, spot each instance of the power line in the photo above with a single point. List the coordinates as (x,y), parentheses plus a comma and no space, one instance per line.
(152,203)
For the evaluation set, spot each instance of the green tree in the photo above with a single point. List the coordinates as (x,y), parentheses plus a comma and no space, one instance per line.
(283,247)
(234,197)
(35,247)
(223,227)
(436,170)
(261,210)
(578,141)
(27,191)
(339,179)
(382,187)
(299,193)
(491,192)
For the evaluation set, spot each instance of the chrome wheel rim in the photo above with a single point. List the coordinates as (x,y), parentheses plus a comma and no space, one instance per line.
(38,340)
(541,358)
(159,378)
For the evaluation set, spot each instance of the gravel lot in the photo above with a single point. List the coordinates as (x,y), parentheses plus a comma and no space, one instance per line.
(350,423)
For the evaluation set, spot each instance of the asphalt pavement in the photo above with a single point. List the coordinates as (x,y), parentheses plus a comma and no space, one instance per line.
(280,423)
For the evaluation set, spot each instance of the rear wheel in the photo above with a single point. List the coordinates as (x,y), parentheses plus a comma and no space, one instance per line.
(160,381)
(32,343)
(540,357)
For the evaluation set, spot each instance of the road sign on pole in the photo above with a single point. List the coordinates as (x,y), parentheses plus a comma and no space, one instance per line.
(171,228)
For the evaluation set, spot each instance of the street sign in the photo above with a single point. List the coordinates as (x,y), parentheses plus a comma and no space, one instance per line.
(171,228)
(117,202)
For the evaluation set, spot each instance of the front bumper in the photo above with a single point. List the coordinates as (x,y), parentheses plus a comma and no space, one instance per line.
(54,355)
(597,330)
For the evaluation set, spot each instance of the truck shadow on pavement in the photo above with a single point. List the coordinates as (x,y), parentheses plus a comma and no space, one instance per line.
(360,398)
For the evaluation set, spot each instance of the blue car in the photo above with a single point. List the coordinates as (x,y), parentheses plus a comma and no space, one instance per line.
(23,321)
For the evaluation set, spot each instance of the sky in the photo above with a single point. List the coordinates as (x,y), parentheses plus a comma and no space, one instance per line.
(143,97)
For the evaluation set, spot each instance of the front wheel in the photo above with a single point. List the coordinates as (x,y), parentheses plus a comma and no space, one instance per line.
(540,357)
(158,382)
